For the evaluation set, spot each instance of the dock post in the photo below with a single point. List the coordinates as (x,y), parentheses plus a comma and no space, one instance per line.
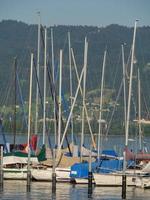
(90,176)
(123,186)
(1,168)
(54,174)
(28,180)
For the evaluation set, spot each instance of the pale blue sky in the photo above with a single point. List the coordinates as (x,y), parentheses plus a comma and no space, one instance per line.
(77,12)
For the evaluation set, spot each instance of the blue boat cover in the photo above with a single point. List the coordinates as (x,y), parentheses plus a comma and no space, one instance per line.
(110,153)
(107,166)
(80,170)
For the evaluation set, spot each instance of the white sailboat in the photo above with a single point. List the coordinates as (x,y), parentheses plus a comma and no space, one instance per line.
(115,178)
(143,180)
(42,172)
(16,164)
(63,162)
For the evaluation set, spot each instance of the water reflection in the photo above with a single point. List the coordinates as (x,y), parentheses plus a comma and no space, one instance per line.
(43,190)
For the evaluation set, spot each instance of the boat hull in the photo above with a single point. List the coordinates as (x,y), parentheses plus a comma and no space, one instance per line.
(82,181)
(62,174)
(112,179)
(14,174)
(143,182)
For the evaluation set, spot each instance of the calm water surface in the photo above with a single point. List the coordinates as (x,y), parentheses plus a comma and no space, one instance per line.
(42,190)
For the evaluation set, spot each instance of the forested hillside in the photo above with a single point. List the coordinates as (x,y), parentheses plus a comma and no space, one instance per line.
(18,39)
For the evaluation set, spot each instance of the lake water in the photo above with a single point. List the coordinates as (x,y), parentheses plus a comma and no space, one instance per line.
(16,190)
(42,190)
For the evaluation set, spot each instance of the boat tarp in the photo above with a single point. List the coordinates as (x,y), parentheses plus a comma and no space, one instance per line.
(85,151)
(107,166)
(80,170)
(7,160)
(109,153)
(42,154)
(136,156)
(18,154)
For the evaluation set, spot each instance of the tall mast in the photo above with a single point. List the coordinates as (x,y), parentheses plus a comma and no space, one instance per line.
(59,102)
(139,111)
(30,102)
(71,94)
(29,114)
(73,105)
(125,106)
(124,86)
(53,70)
(38,68)
(83,100)
(45,71)
(74,101)
(15,100)
(86,112)
(101,102)
(130,85)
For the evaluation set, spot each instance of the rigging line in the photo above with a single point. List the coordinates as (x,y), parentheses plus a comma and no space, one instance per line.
(116,71)
(134,104)
(4,96)
(86,112)
(114,81)
(9,88)
(143,61)
(27,42)
(146,107)
(132,96)
(4,138)
(43,42)
(22,101)
(139,44)
(25,52)
(117,98)
(9,84)
(15,101)
(52,91)
(36,76)
(66,106)
(145,78)
(109,70)
(127,64)
(52,87)
(65,42)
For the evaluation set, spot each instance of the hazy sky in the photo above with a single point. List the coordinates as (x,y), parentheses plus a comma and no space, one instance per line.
(77,12)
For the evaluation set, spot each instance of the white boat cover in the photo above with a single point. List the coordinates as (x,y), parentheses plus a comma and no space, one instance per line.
(7,160)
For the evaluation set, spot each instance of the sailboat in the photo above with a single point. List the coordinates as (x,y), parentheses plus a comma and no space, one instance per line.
(63,162)
(43,172)
(15,163)
(143,180)
(115,178)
